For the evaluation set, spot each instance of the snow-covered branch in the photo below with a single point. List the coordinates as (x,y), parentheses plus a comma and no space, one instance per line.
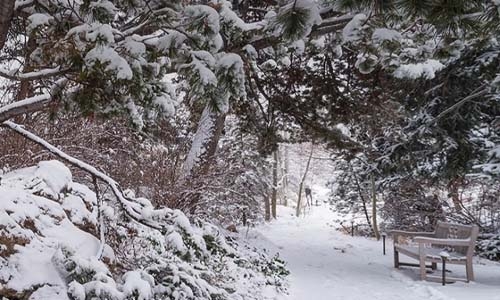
(331,25)
(32,104)
(45,73)
(133,209)
(479,92)
(27,105)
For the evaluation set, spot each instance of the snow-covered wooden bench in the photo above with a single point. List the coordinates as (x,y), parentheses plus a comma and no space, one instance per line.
(458,241)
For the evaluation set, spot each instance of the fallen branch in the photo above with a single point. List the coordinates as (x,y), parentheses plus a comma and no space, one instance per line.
(100,218)
(32,104)
(27,105)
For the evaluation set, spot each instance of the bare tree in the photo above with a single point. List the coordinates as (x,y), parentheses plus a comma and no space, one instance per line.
(286,169)
(374,209)
(301,185)
(361,196)
(274,195)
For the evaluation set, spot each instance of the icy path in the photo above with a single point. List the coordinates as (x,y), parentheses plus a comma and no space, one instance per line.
(327,265)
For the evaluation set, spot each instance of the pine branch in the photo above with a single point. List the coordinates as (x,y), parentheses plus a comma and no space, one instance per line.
(480,91)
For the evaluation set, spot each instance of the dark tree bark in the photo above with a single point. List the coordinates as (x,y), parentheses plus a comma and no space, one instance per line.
(363,200)
(204,146)
(6,14)
(274,196)
(374,208)
(453,192)
(302,182)
(267,208)
(23,107)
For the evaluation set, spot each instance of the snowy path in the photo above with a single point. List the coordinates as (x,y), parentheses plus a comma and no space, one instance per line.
(328,265)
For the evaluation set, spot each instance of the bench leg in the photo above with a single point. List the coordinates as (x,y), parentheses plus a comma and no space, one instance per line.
(434,266)
(423,271)
(469,271)
(396,259)
(422,262)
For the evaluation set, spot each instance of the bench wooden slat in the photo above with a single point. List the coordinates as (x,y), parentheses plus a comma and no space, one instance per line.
(430,253)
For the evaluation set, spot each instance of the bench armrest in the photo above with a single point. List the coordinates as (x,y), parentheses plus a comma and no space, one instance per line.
(445,242)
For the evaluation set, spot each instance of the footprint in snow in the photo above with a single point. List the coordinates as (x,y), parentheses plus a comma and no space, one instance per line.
(341,250)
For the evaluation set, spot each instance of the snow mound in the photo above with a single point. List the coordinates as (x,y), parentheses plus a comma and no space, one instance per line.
(49,247)
(48,178)
(55,175)
(34,225)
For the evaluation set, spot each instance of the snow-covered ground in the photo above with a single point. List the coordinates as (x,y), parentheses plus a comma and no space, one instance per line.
(328,265)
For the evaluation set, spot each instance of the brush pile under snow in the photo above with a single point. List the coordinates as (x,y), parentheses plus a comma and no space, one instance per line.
(51,248)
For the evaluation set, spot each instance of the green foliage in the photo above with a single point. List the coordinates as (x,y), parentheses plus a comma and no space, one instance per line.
(489,248)
(414,7)
(354,4)
(276,267)
(75,268)
(213,246)
(294,22)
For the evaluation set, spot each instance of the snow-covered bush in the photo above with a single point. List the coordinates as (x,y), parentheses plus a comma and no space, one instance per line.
(409,205)
(59,241)
(149,163)
(489,247)
(477,200)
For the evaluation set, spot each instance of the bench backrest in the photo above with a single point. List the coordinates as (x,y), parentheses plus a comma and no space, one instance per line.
(456,231)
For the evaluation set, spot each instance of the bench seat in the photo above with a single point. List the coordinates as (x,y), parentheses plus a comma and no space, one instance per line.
(431,254)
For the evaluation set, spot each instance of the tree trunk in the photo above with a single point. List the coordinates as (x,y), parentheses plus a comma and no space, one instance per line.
(274,196)
(267,208)
(374,209)
(363,200)
(285,179)
(301,185)
(453,187)
(6,14)
(26,86)
(204,143)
